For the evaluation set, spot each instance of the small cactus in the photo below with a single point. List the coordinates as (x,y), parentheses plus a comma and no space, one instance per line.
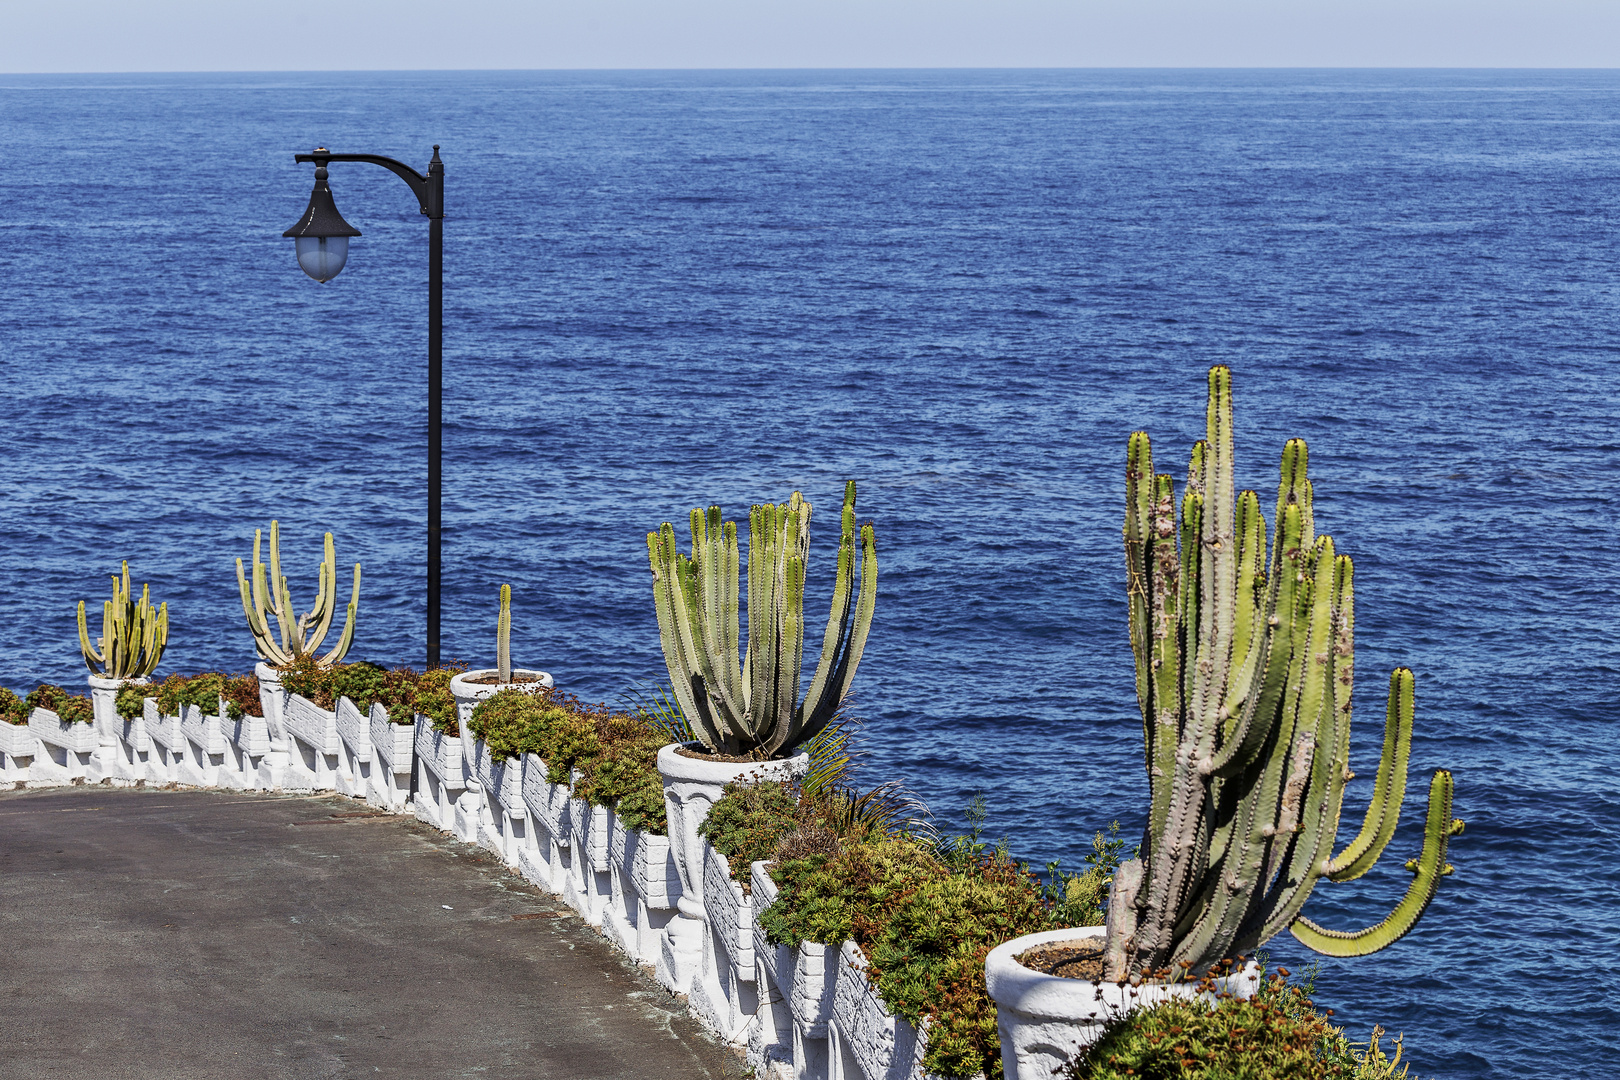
(299,637)
(132,634)
(503,637)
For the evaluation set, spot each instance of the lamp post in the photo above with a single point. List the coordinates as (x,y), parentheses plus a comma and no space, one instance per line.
(322,243)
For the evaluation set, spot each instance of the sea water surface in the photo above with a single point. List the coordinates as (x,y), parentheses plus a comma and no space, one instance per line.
(963,290)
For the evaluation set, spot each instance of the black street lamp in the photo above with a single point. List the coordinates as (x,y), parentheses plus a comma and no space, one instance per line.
(322,240)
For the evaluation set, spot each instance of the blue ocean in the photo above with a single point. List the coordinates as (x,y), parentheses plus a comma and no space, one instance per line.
(962,289)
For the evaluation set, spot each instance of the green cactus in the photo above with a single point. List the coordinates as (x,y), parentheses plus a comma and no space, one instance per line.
(299,636)
(132,634)
(503,637)
(1244,671)
(752,708)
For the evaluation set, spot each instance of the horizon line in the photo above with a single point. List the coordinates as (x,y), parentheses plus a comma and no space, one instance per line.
(742,68)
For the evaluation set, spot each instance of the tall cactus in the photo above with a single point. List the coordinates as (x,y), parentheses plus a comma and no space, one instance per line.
(752,707)
(299,636)
(1244,668)
(132,634)
(503,637)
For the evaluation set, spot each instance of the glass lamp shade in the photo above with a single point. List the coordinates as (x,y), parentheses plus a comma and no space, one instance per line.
(321,257)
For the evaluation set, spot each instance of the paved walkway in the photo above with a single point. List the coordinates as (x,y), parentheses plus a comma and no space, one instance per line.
(183,934)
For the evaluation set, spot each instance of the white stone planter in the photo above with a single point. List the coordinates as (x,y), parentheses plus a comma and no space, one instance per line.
(815,976)
(503,825)
(64,750)
(203,747)
(271,766)
(314,748)
(587,888)
(440,775)
(865,1041)
(393,754)
(250,764)
(691,787)
(17,749)
(354,750)
(1046,1020)
(770,1039)
(120,758)
(723,993)
(476,816)
(168,745)
(544,856)
(645,887)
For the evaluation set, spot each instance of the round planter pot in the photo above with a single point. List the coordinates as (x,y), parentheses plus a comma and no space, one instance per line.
(1045,1021)
(111,730)
(692,785)
(469,693)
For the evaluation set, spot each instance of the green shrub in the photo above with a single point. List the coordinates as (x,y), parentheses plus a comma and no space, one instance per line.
(503,720)
(925,926)
(1276,1035)
(12,709)
(623,774)
(432,698)
(748,821)
(615,753)
(241,694)
(307,678)
(71,708)
(130,702)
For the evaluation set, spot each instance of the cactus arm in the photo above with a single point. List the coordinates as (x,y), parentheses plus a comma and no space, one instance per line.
(674,634)
(1139,491)
(817,702)
(1389,791)
(1218,556)
(160,638)
(320,616)
(849,658)
(503,637)
(346,639)
(1429,867)
(1164,598)
(1247,637)
(252,607)
(1177,793)
(764,557)
(92,659)
(705,609)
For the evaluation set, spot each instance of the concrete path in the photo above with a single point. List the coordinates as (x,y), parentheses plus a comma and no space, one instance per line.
(183,934)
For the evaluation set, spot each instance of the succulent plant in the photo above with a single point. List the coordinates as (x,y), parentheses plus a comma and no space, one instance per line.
(503,637)
(299,636)
(132,634)
(1244,670)
(752,707)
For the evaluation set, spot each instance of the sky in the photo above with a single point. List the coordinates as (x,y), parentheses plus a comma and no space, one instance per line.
(327,35)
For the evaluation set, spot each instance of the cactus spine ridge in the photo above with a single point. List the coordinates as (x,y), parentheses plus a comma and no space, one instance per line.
(1244,676)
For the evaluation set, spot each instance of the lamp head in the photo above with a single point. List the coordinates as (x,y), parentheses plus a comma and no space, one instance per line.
(322,236)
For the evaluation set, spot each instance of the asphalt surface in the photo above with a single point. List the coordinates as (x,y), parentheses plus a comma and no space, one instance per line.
(188,933)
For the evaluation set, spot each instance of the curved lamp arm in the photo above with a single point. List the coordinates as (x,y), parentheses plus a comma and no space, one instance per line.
(429,189)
